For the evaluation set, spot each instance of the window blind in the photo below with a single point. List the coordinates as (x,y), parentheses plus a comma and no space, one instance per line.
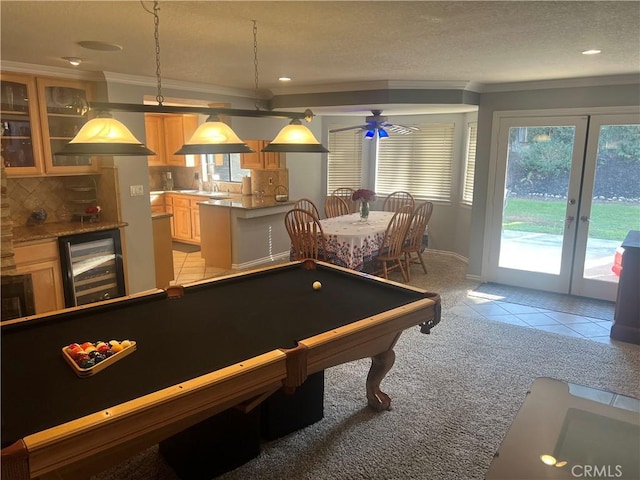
(420,163)
(344,167)
(467,188)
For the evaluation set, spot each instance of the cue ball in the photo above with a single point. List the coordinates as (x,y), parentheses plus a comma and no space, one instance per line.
(317,285)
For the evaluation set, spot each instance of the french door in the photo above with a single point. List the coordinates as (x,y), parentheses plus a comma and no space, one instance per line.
(566,193)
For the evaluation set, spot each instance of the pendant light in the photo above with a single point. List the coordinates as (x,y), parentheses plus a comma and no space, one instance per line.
(105,135)
(213,136)
(295,137)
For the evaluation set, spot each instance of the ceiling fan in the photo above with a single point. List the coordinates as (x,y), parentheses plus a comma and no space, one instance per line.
(377,124)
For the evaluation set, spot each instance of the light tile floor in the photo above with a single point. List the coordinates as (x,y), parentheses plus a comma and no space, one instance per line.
(189,267)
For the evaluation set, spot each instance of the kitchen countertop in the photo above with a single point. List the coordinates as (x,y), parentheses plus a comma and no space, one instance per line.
(59,229)
(231,200)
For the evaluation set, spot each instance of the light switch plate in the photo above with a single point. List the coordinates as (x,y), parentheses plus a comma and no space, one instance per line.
(136,190)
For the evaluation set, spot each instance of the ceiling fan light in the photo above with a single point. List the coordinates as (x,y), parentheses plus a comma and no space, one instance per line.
(370,134)
(295,137)
(104,135)
(382,133)
(214,136)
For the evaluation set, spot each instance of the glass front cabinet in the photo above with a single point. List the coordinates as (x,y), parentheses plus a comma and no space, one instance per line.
(39,117)
(21,138)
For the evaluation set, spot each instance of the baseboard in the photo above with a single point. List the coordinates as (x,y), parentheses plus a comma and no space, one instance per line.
(261,262)
(451,254)
(475,278)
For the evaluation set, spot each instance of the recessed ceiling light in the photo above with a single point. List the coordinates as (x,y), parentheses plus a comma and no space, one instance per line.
(591,52)
(75,61)
(285,79)
(100,46)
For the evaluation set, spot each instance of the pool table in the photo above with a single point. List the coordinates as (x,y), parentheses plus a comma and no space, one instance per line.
(200,349)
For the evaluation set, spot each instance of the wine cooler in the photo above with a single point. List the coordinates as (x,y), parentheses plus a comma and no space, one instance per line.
(92,267)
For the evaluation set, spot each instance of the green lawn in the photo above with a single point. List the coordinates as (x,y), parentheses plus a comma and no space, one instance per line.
(609,221)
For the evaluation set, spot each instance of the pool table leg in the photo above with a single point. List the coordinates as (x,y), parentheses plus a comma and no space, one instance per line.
(380,365)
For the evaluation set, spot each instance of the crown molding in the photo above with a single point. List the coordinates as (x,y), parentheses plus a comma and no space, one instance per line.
(561,83)
(377,85)
(146,81)
(46,71)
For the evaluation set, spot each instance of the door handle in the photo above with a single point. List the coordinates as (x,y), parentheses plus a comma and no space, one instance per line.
(568,220)
(584,218)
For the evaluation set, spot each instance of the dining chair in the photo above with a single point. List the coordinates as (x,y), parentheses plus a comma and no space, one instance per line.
(346,193)
(396,200)
(308,205)
(415,235)
(335,206)
(390,255)
(305,232)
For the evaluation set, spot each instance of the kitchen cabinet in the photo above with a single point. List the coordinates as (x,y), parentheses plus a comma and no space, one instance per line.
(260,160)
(40,116)
(41,259)
(186,216)
(63,111)
(21,138)
(166,134)
(154,131)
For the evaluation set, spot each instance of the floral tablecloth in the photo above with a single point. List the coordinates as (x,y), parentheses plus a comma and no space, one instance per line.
(352,242)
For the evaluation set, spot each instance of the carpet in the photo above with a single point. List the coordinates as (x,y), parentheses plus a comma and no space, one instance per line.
(454,394)
(586,307)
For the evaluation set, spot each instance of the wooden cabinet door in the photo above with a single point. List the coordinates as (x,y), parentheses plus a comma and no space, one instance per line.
(22,139)
(271,160)
(252,161)
(154,131)
(42,261)
(177,130)
(195,221)
(62,104)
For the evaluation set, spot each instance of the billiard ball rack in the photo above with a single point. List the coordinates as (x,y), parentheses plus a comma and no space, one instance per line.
(88,372)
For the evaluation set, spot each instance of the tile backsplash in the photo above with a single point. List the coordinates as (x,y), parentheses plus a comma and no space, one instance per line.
(60,197)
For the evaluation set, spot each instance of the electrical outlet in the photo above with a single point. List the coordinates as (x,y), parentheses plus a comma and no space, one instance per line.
(270,180)
(136,190)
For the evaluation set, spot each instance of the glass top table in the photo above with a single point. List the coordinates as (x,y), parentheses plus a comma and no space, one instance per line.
(567,431)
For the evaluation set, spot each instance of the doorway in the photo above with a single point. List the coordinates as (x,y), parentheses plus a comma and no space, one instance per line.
(566,193)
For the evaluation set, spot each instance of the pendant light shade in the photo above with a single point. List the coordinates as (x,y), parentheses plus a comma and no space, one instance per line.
(213,136)
(295,137)
(104,135)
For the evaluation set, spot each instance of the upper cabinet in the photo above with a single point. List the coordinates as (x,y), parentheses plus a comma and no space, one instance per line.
(21,138)
(63,112)
(166,134)
(40,116)
(259,160)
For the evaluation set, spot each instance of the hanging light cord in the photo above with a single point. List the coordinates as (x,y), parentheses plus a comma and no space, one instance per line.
(255,58)
(156,34)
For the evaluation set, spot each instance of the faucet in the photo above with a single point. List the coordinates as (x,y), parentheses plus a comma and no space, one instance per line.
(215,187)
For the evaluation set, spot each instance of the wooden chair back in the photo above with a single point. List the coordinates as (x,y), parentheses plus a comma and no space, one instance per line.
(347,194)
(397,200)
(305,232)
(308,205)
(415,235)
(391,253)
(335,206)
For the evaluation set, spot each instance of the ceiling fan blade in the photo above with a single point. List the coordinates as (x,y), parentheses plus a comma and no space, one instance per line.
(348,128)
(401,129)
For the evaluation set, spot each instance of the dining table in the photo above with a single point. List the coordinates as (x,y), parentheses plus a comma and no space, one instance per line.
(352,242)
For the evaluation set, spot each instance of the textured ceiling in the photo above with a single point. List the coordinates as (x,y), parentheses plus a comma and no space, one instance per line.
(322,44)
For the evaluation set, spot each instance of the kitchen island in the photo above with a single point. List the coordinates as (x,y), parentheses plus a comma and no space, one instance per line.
(243,231)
